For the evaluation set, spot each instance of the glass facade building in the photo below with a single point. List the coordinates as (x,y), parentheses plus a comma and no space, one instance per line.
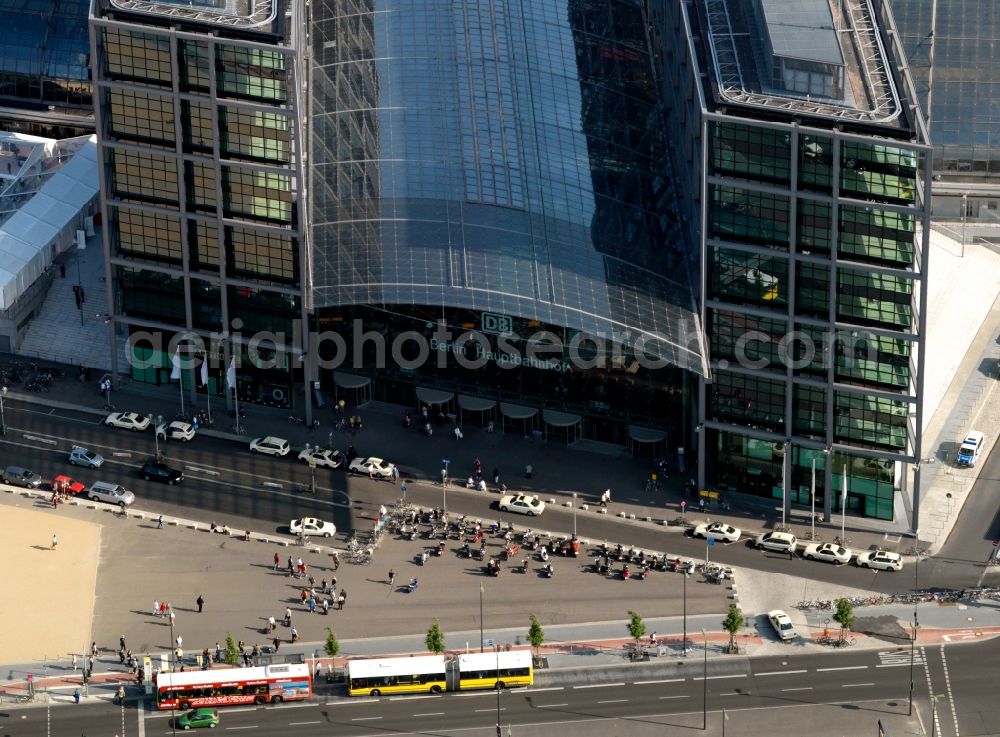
(45,86)
(813,271)
(201,177)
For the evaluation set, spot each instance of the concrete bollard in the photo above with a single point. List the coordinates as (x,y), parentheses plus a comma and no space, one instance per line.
(647,518)
(631,516)
(584,507)
(664,522)
(174,523)
(621,514)
(194,526)
(602,510)
(283,543)
(262,539)
(567,504)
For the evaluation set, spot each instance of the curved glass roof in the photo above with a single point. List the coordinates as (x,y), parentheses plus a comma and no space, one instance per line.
(500,156)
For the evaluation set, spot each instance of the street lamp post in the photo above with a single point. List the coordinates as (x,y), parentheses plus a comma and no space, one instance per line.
(574,513)
(481,592)
(916,623)
(684,641)
(965,213)
(3,420)
(704,683)
(812,497)
(156,434)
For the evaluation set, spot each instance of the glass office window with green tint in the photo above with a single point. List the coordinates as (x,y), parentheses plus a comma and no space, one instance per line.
(263,310)
(808,348)
(260,256)
(747,340)
(146,236)
(749,400)
(199,183)
(196,122)
(151,295)
(878,236)
(251,74)
(878,173)
(137,57)
(751,152)
(140,117)
(812,290)
(144,177)
(867,420)
(809,410)
(816,163)
(754,217)
(814,225)
(874,299)
(863,357)
(255,135)
(203,246)
(194,66)
(740,276)
(206,305)
(257,195)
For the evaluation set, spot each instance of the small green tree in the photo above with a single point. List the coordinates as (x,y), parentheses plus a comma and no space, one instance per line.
(232,654)
(536,636)
(435,639)
(332,645)
(732,624)
(636,627)
(844,616)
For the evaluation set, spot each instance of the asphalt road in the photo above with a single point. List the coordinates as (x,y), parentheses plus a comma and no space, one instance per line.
(869,686)
(251,491)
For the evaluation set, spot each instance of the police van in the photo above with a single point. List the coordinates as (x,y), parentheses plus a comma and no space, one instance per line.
(971,448)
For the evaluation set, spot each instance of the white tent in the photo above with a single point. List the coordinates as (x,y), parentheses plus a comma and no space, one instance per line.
(25,239)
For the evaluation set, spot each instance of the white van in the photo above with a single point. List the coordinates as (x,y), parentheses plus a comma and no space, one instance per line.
(102,491)
(971,448)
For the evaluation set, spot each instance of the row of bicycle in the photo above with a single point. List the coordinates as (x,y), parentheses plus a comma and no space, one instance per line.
(908,597)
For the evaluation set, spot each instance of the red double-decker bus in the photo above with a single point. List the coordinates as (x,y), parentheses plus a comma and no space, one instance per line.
(231,686)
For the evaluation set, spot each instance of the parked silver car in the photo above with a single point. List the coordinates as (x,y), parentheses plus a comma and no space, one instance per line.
(17,476)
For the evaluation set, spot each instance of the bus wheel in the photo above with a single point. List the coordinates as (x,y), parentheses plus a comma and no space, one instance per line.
(258,700)
(500,685)
(185,705)
(435,689)
(276,699)
(376,692)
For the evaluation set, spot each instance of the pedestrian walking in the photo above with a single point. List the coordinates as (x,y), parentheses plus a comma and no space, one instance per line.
(605,498)
(159,522)
(335,557)
(74,661)
(121,642)
(218,653)
(295,635)
(701,504)
(200,601)
(170,615)
(93,649)
(180,641)
(291,569)
(326,606)
(342,599)
(276,642)
(791,553)
(55,541)
(156,608)
(496,476)
(528,470)
(312,581)
(392,577)
(121,656)
(277,561)
(395,475)
(312,605)
(76,692)
(163,609)
(120,695)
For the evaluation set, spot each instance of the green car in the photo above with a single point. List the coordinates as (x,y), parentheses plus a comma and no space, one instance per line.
(198,718)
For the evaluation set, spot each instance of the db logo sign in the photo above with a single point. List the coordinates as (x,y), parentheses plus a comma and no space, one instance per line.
(491,322)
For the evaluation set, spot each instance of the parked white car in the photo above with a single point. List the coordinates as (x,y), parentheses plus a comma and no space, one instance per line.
(312,526)
(778,542)
(522,504)
(372,466)
(176,430)
(782,624)
(829,552)
(717,531)
(270,446)
(127,421)
(881,560)
(322,457)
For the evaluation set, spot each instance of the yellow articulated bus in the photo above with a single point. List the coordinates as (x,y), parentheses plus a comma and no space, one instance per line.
(432,674)
(495,670)
(374,677)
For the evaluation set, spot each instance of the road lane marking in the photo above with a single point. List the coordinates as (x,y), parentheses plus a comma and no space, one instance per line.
(550,688)
(674,697)
(413,698)
(491,709)
(661,680)
(363,719)
(781,672)
(253,727)
(37,439)
(599,685)
(719,678)
(843,667)
(612,701)
(895,665)
(800,688)
(855,685)
(301,724)
(430,714)
(550,706)
(198,469)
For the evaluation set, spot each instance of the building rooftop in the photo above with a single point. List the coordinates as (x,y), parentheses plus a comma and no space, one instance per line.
(802,29)
(246,14)
(842,33)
